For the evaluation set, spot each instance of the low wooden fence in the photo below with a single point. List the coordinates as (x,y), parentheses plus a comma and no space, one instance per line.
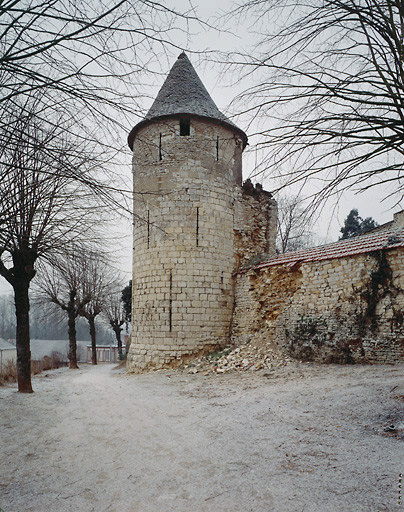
(105,354)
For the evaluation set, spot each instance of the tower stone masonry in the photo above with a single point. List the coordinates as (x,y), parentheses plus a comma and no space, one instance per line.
(194,223)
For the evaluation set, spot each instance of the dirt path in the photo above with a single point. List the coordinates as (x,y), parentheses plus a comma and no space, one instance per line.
(304,439)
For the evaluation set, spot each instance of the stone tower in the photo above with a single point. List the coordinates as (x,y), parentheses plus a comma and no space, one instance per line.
(187,159)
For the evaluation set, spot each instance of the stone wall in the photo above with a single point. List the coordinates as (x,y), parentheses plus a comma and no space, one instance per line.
(255,219)
(348,309)
(193,225)
(183,240)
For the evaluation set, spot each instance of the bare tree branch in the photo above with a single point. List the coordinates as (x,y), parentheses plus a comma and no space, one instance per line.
(294,225)
(98,282)
(328,90)
(44,210)
(64,285)
(115,315)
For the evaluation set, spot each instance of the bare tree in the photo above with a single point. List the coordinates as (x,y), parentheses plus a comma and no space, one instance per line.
(84,62)
(329,83)
(42,210)
(97,281)
(64,285)
(294,226)
(115,314)
(77,51)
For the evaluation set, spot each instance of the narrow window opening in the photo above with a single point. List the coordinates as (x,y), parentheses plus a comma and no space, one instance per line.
(197,227)
(148,229)
(217,148)
(170,304)
(160,152)
(185,126)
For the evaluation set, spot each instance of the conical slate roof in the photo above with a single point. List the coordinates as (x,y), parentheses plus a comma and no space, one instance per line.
(184,93)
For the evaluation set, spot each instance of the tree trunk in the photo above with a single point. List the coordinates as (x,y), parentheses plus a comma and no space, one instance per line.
(91,322)
(72,341)
(118,339)
(21,299)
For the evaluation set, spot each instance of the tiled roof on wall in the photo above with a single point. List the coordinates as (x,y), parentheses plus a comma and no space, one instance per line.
(184,93)
(372,241)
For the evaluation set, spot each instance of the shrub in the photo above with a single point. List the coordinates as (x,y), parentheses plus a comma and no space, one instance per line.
(8,373)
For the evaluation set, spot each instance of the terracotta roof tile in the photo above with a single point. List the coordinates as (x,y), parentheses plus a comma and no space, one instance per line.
(374,241)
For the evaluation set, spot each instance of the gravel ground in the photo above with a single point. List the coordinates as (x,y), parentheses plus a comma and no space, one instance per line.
(299,438)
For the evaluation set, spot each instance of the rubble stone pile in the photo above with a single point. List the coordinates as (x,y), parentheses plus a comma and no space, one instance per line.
(249,357)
